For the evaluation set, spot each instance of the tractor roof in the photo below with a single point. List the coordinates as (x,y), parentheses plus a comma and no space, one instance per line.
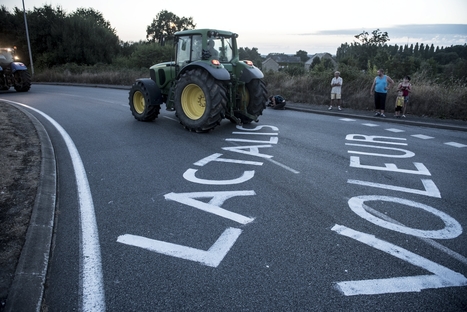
(205,31)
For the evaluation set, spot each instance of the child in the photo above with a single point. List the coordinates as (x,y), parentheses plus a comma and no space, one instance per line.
(405,87)
(399,104)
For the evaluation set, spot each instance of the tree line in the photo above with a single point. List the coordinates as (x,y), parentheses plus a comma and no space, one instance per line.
(372,51)
(84,37)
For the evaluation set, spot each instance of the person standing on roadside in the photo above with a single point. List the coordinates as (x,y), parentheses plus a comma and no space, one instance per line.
(336,84)
(405,87)
(381,84)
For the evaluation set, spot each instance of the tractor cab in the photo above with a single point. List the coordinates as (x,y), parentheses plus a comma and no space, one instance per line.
(6,56)
(204,45)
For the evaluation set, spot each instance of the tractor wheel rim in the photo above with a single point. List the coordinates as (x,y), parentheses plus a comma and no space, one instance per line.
(193,101)
(138,102)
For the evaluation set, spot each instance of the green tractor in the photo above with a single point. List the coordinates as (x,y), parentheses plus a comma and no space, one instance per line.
(206,83)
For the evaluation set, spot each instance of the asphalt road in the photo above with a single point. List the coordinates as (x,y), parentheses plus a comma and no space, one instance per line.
(299,212)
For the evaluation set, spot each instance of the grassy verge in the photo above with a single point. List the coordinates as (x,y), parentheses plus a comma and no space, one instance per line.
(427,98)
(98,74)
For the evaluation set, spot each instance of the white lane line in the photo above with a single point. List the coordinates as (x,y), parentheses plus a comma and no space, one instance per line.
(370,125)
(93,296)
(422,136)
(395,130)
(455,144)
(347,119)
(283,166)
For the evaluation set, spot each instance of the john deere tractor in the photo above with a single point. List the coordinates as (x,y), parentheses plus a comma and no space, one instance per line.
(206,83)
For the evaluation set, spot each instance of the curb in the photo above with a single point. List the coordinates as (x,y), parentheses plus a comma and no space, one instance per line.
(27,289)
(398,121)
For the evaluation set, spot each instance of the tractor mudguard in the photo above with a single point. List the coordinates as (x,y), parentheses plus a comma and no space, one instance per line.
(155,94)
(219,73)
(17,66)
(249,73)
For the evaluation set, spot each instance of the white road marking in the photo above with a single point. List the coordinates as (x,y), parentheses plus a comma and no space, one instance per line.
(395,130)
(216,157)
(283,166)
(370,125)
(421,169)
(190,175)
(405,153)
(217,199)
(455,144)
(272,140)
(92,286)
(347,119)
(430,187)
(442,276)
(428,241)
(212,257)
(452,228)
(422,136)
(375,139)
(256,133)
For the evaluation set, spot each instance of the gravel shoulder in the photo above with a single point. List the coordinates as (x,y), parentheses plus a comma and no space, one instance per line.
(20,165)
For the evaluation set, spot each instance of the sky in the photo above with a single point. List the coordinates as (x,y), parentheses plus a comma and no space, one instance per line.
(288,26)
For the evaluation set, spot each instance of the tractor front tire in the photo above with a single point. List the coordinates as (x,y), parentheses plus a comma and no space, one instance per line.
(22,81)
(256,97)
(200,100)
(139,103)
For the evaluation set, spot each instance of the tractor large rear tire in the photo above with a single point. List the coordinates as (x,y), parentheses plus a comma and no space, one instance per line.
(22,81)
(139,103)
(200,100)
(257,97)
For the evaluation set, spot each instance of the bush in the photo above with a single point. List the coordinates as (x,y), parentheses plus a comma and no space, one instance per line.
(97,74)
(429,97)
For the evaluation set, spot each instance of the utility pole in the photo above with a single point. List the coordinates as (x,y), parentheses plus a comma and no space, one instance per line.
(27,36)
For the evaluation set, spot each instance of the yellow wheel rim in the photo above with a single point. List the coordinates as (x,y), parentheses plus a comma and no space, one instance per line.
(138,102)
(193,102)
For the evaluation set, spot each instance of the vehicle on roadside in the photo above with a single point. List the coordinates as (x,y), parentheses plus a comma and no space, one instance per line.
(12,72)
(206,83)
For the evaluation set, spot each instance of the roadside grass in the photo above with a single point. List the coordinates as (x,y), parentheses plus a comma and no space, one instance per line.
(98,74)
(428,98)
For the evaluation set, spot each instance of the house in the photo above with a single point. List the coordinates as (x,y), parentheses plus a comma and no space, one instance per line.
(321,56)
(278,61)
(270,65)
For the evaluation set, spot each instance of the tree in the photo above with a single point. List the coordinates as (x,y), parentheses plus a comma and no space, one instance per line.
(316,61)
(150,53)
(303,55)
(365,50)
(9,28)
(378,38)
(165,25)
(416,50)
(88,38)
(252,55)
(46,25)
